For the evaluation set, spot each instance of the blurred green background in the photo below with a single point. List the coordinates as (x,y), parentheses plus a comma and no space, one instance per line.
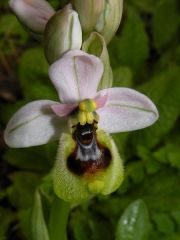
(145,55)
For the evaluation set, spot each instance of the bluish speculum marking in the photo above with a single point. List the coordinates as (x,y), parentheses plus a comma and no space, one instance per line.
(89,156)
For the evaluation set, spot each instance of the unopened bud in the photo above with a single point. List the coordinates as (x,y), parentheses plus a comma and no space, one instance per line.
(89,11)
(63,32)
(110,19)
(33,14)
(96,45)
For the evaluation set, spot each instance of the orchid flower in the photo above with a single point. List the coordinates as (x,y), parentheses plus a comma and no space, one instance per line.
(87,160)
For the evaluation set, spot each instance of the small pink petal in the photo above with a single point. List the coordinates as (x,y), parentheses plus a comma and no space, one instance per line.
(63,110)
(100,100)
(76,76)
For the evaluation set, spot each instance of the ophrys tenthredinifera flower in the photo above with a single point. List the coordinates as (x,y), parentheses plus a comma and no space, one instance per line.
(87,160)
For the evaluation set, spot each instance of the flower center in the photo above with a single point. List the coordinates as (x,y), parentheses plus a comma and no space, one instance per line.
(87,112)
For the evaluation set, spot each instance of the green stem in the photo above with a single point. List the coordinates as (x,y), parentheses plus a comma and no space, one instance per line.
(58,219)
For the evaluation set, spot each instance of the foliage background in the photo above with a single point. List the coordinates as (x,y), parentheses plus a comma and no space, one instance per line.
(145,55)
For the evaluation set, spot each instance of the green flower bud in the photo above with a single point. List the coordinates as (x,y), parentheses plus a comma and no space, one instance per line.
(110,19)
(62,33)
(75,180)
(96,45)
(89,12)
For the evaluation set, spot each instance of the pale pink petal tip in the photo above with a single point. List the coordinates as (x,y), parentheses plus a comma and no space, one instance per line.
(63,110)
(101,100)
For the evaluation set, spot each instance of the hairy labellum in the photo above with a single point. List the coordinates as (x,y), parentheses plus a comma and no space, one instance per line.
(89,156)
(87,163)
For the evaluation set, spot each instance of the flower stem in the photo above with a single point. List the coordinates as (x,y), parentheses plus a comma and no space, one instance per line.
(58,219)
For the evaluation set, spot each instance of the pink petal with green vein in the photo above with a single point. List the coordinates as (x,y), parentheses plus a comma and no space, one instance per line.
(126,110)
(76,76)
(34,124)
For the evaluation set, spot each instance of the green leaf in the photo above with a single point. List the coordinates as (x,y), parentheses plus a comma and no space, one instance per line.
(46,187)
(87,225)
(79,225)
(177,54)
(161,155)
(32,63)
(176,216)
(165,22)
(125,185)
(39,229)
(145,6)
(151,164)
(58,219)
(170,153)
(9,109)
(33,76)
(24,217)
(22,189)
(12,35)
(172,237)
(164,223)
(28,159)
(100,229)
(58,4)
(6,217)
(114,206)
(174,158)
(121,143)
(122,77)
(161,191)
(136,172)
(134,223)
(4,3)
(164,90)
(131,47)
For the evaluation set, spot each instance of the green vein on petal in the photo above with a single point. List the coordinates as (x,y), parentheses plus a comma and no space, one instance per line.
(76,76)
(131,106)
(24,123)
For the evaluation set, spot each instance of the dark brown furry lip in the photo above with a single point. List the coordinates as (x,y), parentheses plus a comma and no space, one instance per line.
(80,167)
(93,156)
